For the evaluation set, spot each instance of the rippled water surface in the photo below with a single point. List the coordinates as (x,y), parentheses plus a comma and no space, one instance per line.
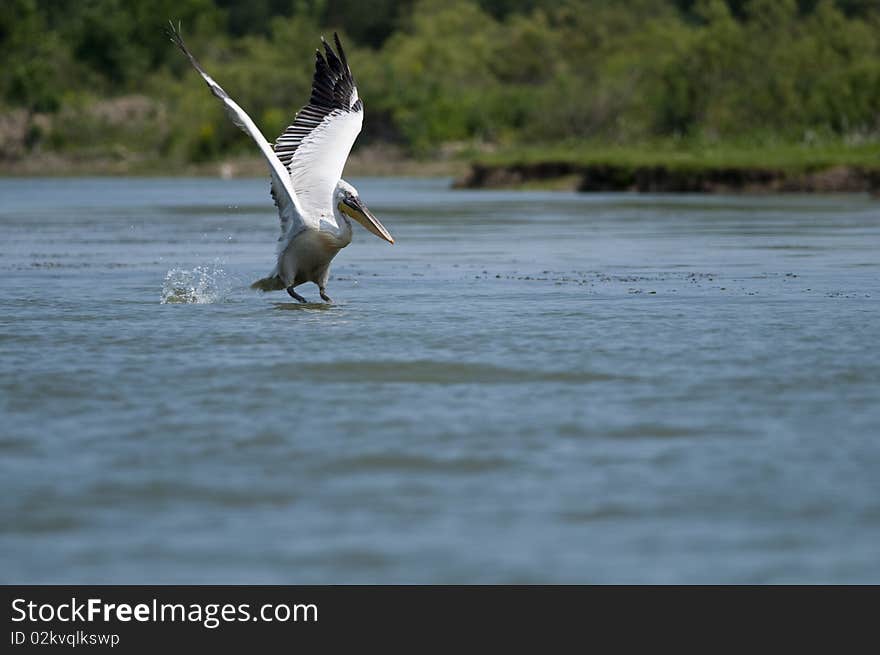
(526,387)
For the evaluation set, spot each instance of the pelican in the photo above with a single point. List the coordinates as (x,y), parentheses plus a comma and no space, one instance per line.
(305,164)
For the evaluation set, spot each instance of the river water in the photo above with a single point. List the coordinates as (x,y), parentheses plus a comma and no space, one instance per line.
(526,387)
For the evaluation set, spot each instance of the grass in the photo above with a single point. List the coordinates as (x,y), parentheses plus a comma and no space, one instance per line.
(676,155)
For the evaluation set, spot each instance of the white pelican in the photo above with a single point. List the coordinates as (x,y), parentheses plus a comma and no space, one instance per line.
(306,164)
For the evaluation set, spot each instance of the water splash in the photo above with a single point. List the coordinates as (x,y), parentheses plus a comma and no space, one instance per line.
(199,285)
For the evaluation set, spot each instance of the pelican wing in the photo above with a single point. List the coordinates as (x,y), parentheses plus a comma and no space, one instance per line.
(289,207)
(315,147)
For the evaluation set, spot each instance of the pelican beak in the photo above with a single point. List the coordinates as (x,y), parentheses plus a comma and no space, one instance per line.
(359,212)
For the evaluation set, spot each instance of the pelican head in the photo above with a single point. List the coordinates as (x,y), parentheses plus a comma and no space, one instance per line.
(347,201)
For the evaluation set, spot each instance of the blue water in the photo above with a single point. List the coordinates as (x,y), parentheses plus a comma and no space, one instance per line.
(526,387)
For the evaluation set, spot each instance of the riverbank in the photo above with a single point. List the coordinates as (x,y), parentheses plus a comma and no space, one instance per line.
(791,168)
(578,167)
(373,161)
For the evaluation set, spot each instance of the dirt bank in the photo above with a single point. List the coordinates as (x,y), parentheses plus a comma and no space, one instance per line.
(653,179)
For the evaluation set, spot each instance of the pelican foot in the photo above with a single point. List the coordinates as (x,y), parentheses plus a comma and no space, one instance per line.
(295,295)
(325,297)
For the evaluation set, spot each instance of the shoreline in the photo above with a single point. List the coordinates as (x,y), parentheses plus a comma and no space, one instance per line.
(660,178)
(659,173)
(371,161)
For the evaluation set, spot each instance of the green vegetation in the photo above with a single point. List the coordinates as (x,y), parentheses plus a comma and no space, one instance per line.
(788,157)
(681,166)
(784,83)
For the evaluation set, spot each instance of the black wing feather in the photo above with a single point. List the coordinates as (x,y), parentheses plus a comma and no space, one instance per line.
(333,90)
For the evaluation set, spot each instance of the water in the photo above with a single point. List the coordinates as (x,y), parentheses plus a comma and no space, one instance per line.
(526,387)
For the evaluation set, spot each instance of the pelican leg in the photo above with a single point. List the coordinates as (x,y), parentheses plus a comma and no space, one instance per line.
(295,295)
(324,295)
